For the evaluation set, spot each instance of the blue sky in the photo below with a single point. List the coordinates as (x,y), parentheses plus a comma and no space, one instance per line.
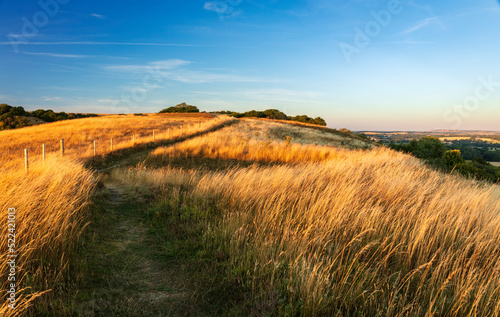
(363,65)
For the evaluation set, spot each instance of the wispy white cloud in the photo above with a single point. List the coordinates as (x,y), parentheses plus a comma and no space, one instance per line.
(106,101)
(99,16)
(222,8)
(477,11)
(198,77)
(60,88)
(57,55)
(16,36)
(426,8)
(148,85)
(98,43)
(409,42)
(216,6)
(51,98)
(269,95)
(157,66)
(421,25)
(176,70)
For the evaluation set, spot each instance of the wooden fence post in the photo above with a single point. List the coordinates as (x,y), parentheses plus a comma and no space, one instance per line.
(154,138)
(111,145)
(133,139)
(26,160)
(62,147)
(95,148)
(168,133)
(43,154)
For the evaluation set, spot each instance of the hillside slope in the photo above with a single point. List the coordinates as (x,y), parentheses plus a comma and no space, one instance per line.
(304,229)
(256,218)
(51,201)
(79,135)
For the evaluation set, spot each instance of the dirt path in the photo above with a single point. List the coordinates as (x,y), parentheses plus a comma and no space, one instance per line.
(130,274)
(130,268)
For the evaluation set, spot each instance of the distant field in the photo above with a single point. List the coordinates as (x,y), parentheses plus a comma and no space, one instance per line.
(495,163)
(489,140)
(454,138)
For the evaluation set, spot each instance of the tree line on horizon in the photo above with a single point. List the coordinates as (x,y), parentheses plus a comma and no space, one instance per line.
(275,115)
(269,114)
(16,117)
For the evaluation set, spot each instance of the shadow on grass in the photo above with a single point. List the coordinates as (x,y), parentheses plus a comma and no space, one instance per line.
(203,164)
(111,160)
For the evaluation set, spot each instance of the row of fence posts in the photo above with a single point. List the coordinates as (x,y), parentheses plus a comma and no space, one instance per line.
(26,151)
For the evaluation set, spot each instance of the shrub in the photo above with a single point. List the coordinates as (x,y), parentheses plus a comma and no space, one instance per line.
(182,107)
(452,158)
(277,115)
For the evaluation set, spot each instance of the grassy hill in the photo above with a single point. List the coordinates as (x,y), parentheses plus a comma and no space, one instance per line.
(50,200)
(251,217)
(321,230)
(79,134)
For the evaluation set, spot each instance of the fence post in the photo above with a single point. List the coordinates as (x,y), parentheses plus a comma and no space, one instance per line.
(168,133)
(154,138)
(95,148)
(111,145)
(62,147)
(43,154)
(133,139)
(26,160)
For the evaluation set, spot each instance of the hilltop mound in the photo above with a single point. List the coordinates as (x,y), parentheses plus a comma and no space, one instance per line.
(304,133)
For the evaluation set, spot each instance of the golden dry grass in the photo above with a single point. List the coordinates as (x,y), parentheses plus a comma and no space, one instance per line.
(48,203)
(303,133)
(49,200)
(339,232)
(79,135)
(263,141)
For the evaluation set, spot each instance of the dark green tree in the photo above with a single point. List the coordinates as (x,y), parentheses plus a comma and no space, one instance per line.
(452,158)
(4,108)
(429,148)
(254,114)
(320,121)
(275,114)
(180,108)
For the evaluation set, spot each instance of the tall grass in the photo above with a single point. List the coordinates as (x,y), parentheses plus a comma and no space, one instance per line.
(50,199)
(261,141)
(338,232)
(79,135)
(48,203)
(311,133)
